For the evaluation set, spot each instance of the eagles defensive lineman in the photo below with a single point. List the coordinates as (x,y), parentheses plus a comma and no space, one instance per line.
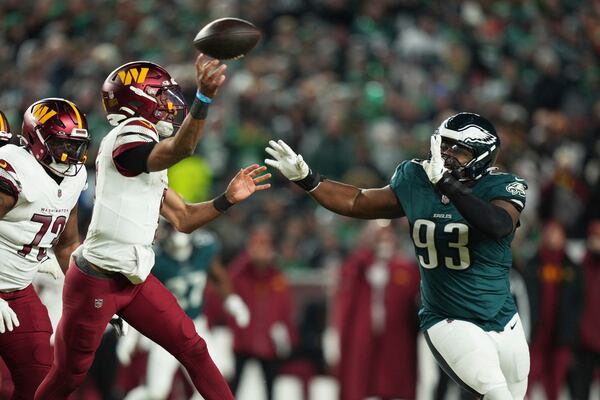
(463,214)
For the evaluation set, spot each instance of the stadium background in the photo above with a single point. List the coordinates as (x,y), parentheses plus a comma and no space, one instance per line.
(356,87)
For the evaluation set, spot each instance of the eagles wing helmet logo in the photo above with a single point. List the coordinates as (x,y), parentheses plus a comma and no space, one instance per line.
(474,134)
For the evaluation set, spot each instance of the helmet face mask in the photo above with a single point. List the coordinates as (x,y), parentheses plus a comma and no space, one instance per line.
(170,111)
(144,89)
(456,157)
(55,132)
(472,139)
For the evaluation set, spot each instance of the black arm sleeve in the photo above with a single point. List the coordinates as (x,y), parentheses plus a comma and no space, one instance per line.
(135,160)
(486,217)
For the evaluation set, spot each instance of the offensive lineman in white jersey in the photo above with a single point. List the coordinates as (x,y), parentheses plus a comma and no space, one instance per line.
(110,273)
(40,184)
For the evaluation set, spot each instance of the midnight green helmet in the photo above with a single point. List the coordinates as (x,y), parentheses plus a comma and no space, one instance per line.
(478,135)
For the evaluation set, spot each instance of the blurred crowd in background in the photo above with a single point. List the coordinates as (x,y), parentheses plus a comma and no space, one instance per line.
(356,87)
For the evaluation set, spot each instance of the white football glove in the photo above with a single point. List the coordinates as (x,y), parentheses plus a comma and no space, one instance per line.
(290,164)
(8,318)
(281,338)
(434,168)
(51,267)
(236,307)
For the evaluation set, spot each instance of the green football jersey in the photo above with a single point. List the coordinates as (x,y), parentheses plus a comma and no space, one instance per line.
(464,273)
(187,279)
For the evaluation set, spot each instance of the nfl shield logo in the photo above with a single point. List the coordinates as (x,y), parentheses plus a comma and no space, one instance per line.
(98,303)
(445,199)
(59,192)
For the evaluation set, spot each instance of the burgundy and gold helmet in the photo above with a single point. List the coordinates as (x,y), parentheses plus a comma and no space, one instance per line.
(144,89)
(5,134)
(56,132)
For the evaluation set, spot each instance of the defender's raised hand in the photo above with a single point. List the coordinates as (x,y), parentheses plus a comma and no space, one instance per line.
(290,164)
(434,168)
(210,75)
(247,182)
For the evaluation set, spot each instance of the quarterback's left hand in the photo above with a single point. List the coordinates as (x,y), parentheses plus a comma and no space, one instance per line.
(435,168)
(51,267)
(236,307)
(246,182)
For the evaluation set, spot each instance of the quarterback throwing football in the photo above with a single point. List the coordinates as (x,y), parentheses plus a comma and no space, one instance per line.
(462,215)
(40,184)
(110,272)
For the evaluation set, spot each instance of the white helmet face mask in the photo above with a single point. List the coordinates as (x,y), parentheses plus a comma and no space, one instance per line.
(63,169)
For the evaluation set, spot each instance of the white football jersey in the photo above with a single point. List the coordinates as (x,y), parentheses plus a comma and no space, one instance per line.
(38,218)
(126,208)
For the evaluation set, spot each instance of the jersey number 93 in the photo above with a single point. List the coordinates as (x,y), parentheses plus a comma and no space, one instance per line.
(455,256)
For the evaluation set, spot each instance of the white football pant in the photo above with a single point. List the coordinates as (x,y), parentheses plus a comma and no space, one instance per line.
(494,365)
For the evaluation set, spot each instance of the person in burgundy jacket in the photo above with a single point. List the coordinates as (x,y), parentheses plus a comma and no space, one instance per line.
(587,354)
(260,283)
(376,319)
(556,295)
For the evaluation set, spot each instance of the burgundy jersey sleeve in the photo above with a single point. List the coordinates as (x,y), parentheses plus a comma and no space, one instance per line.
(133,146)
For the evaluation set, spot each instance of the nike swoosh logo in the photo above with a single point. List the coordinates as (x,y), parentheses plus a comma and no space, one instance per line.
(515,324)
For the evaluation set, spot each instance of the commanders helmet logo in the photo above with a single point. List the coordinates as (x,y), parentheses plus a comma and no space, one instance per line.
(132,74)
(43,113)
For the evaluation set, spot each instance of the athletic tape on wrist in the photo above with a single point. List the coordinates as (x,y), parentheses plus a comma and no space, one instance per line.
(310,182)
(203,98)
(221,203)
(199,109)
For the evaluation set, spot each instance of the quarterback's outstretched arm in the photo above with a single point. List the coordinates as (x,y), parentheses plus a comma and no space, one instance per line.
(338,197)
(186,217)
(189,217)
(209,76)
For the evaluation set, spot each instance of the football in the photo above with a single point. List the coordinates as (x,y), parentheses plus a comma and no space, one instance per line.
(227,38)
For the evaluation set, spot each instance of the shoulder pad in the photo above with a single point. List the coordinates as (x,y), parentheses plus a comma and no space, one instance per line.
(138,127)
(498,177)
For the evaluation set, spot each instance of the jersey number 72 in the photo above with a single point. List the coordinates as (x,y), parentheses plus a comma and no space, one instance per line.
(46,220)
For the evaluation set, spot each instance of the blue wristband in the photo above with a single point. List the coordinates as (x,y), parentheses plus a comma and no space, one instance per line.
(202,97)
